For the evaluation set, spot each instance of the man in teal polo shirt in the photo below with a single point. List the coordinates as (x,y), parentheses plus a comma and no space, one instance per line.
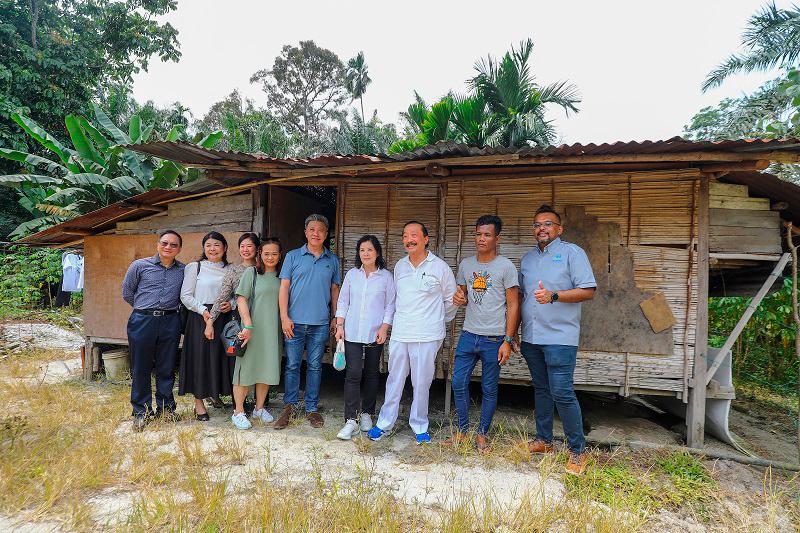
(554,278)
(309,291)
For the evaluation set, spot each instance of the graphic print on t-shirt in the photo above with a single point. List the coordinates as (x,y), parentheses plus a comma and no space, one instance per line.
(481,282)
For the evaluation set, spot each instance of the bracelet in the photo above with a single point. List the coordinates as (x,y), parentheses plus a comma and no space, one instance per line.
(247,327)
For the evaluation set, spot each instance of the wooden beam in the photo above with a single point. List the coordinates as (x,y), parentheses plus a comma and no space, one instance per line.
(779,206)
(435,169)
(144,207)
(744,257)
(77,231)
(751,308)
(756,164)
(696,408)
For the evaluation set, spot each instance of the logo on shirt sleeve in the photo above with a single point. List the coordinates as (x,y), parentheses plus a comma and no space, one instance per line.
(481,282)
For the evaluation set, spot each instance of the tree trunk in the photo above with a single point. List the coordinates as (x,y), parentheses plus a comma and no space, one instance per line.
(36,9)
(362,110)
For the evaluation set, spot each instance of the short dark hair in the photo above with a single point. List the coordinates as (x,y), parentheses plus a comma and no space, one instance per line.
(380,262)
(485,220)
(260,266)
(253,238)
(217,236)
(424,228)
(172,232)
(544,208)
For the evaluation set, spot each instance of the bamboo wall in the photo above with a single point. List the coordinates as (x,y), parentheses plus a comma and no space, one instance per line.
(656,213)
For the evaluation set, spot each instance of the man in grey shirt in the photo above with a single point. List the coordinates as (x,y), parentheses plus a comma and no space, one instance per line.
(487,284)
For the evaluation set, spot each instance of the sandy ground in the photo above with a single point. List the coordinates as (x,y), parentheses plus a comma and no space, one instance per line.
(296,453)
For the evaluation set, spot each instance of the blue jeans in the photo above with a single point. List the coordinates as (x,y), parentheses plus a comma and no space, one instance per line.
(470,349)
(312,338)
(552,367)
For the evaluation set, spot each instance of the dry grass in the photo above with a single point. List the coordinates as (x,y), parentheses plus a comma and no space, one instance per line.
(63,444)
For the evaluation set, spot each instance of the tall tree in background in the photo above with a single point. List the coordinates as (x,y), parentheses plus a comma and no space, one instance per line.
(771,39)
(357,79)
(305,87)
(56,56)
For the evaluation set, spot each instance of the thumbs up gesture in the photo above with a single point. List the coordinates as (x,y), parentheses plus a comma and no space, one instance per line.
(542,295)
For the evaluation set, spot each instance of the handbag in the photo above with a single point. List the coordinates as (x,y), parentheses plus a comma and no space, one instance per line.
(339,360)
(230,332)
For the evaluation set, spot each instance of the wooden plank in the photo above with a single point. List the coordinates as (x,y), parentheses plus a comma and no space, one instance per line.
(728,189)
(744,218)
(696,408)
(740,231)
(726,202)
(260,199)
(768,244)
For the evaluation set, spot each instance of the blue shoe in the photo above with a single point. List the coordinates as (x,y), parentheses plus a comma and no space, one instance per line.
(423,438)
(240,421)
(375,433)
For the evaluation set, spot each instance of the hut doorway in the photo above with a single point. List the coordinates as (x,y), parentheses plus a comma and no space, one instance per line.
(289,207)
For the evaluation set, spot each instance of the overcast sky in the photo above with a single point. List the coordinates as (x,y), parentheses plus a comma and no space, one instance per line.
(638,64)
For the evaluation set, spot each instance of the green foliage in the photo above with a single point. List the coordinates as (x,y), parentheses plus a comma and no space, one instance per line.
(27,276)
(55,55)
(94,172)
(764,352)
(305,87)
(689,477)
(356,79)
(506,107)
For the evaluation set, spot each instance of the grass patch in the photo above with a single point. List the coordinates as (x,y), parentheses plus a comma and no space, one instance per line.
(691,482)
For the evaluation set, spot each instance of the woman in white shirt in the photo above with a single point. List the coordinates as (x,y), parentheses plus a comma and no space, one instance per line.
(205,370)
(363,315)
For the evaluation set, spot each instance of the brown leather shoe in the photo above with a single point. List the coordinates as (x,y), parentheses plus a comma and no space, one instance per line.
(482,444)
(315,419)
(540,446)
(283,419)
(455,440)
(577,463)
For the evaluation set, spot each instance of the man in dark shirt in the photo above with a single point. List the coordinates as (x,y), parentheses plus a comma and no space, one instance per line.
(152,286)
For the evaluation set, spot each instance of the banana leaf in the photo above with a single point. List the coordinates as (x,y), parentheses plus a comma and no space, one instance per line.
(17,181)
(117,134)
(98,138)
(34,160)
(124,185)
(83,145)
(211,139)
(45,139)
(135,128)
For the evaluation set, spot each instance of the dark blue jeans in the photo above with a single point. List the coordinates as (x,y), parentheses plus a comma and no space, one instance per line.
(311,338)
(470,349)
(552,367)
(153,344)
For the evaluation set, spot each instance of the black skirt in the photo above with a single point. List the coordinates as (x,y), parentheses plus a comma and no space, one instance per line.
(205,371)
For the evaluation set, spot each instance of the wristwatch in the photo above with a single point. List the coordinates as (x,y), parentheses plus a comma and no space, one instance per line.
(554,298)
(509,340)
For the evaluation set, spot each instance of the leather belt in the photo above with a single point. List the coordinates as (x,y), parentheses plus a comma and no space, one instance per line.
(155,312)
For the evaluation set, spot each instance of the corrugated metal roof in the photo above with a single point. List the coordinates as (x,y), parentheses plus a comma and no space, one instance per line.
(101,219)
(193,155)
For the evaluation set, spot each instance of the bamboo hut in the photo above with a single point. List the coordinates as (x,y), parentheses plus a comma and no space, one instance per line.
(665,225)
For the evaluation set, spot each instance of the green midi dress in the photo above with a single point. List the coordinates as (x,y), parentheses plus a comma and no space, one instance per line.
(261,362)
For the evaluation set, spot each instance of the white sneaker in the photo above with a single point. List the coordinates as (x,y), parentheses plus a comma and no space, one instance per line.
(264,415)
(240,421)
(349,430)
(365,422)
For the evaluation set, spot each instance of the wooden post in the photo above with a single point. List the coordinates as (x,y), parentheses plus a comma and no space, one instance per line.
(260,209)
(796,319)
(88,362)
(696,409)
(448,391)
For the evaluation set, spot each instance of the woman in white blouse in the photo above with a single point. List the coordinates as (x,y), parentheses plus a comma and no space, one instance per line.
(205,370)
(363,315)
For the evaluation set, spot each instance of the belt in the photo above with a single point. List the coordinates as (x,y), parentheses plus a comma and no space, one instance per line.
(155,312)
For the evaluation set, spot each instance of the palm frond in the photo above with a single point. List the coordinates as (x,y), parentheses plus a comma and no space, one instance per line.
(561,93)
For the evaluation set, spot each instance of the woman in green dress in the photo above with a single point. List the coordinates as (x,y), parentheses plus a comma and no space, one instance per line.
(261,333)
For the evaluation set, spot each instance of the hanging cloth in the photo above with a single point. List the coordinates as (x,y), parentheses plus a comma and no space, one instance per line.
(72,267)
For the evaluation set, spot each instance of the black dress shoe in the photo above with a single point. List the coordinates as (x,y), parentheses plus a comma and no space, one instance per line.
(202,418)
(139,422)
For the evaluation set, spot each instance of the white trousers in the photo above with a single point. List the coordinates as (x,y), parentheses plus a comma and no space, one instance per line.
(419,358)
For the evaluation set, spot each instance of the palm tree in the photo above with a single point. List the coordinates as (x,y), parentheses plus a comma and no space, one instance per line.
(357,78)
(771,39)
(511,93)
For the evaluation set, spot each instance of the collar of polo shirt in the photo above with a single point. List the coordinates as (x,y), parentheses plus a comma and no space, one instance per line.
(305,250)
(557,240)
(428,258)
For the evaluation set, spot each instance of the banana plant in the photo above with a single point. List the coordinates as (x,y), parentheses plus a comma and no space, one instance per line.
(95,171)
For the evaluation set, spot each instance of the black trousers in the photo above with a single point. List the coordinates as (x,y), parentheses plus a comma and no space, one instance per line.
(362,360)
(153,344)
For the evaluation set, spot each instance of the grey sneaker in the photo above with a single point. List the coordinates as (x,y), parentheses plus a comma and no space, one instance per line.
(349,430)
(365,422)
(263,415)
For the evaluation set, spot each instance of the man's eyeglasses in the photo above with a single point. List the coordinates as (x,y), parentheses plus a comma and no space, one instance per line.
(547,224)
(168,244)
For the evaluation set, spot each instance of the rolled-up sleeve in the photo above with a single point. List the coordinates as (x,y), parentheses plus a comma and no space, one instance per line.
(391,295)
(343,303)
(130,283)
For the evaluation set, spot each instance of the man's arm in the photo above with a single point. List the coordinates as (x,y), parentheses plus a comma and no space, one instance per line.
(130,283)
(283,304)
(334,303)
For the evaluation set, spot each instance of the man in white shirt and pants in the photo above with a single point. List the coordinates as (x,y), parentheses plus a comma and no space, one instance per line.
(425,287)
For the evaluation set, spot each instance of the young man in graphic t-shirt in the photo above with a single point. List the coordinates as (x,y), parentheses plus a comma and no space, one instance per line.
(487,285)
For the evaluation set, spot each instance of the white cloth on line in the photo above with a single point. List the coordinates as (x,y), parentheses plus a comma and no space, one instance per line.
(419,359)
(72,272)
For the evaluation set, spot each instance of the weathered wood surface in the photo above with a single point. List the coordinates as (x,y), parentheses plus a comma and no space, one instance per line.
(741,224)
(228,213)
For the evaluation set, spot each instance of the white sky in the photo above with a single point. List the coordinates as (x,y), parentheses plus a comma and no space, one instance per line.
(638,64)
